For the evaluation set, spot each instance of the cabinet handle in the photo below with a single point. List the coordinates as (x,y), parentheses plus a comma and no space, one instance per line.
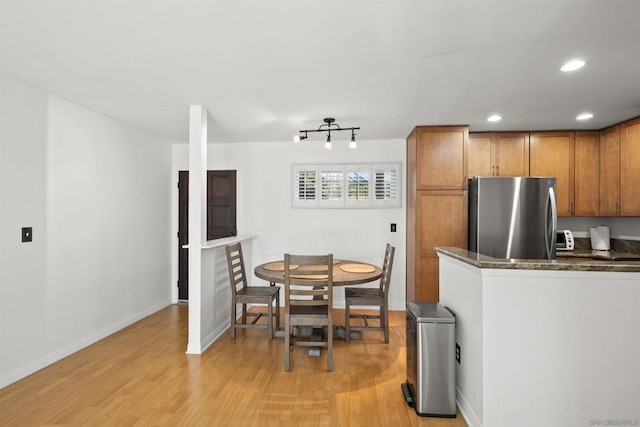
(493,170)
(497,170)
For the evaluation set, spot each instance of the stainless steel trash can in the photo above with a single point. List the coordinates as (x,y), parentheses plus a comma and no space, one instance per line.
(431,375)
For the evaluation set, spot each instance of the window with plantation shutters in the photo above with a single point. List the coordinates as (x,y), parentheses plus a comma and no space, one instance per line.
(305,185)
(386,190)
(360,185)
(331,185)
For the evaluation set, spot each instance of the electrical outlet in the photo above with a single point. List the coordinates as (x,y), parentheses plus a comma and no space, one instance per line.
(27,234)
(458,353)
(393,228)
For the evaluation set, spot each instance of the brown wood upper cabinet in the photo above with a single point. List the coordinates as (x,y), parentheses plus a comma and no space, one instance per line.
(609,181)
(552,154)
(498,154)
(586,164)
(440,157)
(630,168)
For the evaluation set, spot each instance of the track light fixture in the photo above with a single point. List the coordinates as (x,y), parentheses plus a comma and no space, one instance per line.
(328,127)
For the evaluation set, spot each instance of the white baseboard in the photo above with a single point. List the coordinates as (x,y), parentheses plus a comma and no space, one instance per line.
(61,353)
(467,412)
(220,330)
(210,339)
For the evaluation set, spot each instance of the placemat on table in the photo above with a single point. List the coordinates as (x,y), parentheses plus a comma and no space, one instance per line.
(357,268)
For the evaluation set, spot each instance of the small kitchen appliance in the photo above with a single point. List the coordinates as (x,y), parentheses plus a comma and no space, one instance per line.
(564,240)
(600,240)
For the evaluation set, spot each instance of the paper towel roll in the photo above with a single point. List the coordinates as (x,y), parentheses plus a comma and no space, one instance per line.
(600,238)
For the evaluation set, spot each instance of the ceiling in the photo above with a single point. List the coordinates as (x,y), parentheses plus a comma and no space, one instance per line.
(265,69)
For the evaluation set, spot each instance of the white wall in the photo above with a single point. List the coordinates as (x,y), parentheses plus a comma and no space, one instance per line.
(98,194)
(627,228)
(264,205)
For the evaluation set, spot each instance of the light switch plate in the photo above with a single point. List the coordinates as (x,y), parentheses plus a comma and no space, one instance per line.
(27,234)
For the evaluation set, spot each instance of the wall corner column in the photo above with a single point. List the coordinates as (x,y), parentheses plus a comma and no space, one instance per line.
(197,220)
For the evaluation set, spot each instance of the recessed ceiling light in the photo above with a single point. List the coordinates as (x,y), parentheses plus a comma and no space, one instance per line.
(584,116)
(494,118)
(573,65)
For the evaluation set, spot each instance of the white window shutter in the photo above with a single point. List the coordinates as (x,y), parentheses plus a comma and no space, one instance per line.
(358,185)
(331,186)
(386,184)
(305,186)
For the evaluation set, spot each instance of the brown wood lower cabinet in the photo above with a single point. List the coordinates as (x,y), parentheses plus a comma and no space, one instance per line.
(428,271)
(441,220)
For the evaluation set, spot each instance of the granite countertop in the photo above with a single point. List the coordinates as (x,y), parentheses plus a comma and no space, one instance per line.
(569,261)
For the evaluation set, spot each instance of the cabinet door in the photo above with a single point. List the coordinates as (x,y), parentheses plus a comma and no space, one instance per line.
(610,172)
(441,220)
(479,159)
(551,155)
(440,157)
(511,154)
(630,168)
(429,273)
(586,161)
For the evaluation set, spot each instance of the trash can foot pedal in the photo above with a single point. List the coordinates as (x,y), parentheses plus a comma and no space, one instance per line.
(407,394)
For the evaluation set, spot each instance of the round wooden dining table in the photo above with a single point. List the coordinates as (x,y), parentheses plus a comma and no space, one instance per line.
(344,272)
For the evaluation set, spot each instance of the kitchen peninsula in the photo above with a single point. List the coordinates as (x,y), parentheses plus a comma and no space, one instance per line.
(544,342)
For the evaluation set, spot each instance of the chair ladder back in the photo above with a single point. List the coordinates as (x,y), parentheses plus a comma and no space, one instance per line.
(235,262)
(387,266)
(311,283)
(308,290)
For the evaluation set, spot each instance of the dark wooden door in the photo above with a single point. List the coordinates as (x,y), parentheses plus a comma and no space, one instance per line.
(221,204)
(221,217)
(183,235)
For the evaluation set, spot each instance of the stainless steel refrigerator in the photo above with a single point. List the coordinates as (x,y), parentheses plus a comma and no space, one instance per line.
(513,217)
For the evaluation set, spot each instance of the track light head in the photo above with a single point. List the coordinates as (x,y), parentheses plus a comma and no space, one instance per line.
(327,145)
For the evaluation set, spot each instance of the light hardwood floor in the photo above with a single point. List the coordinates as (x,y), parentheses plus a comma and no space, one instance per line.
(142,376)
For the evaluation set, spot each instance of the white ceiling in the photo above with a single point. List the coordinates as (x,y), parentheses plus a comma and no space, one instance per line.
(265,69)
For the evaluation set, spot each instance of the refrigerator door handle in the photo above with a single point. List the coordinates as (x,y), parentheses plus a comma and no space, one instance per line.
(550,233)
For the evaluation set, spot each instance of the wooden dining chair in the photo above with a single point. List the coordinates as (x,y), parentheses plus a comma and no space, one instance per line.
(378,297)
(308,295)
(243,294)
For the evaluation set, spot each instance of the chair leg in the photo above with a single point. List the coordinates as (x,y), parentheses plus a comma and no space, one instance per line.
(270,321)
(233,321)
(244,313)
(277,312)
(330,348)
(346,320)
(384,317)
(287,344)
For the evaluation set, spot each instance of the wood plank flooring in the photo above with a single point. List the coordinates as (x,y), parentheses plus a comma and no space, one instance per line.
(141,376)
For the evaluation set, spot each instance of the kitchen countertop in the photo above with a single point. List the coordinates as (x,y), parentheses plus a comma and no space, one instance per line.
(569,261)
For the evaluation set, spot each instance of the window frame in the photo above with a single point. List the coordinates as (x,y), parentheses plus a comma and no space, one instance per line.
(373,169)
